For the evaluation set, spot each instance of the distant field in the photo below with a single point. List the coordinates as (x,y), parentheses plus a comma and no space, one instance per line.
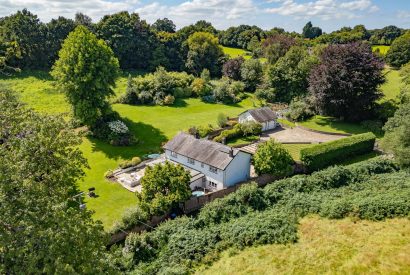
(152,125)
(382,49)
(234,52)
(328,247)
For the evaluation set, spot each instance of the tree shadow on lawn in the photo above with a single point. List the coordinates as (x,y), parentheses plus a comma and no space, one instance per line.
(150,140)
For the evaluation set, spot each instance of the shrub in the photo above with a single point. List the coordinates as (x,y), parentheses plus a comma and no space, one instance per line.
(246,199)
(108,174)
(260,228)
(205,130)
(222,120)
(158,88)
(329,153)
(132,217)
(169,100)
(299,110)
(374,126)
(250,128)
(272,158)
(200,87)
(227,91)
(229,134)
(129,163)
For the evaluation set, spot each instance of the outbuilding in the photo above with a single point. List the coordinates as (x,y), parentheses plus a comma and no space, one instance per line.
(264,116)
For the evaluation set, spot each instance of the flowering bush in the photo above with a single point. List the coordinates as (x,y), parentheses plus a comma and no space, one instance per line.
(118,127)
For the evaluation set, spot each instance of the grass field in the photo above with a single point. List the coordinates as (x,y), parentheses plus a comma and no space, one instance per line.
(328,247)
(243,140)
(382,49)
(234,52)
(330,124)
(152,125)
(391,88)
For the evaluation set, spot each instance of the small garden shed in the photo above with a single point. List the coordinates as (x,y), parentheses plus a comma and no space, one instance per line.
(264,116)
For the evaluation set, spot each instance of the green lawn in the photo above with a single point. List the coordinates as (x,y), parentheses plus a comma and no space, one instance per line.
(330,124)
(243,140)
(234,52)
(391,88)
(382,49)
(294,149)
(327,247)
(152,125)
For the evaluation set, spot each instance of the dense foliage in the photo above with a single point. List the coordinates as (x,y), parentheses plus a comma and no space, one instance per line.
(241,36)
(86,70)
(232,68)
(276,46)
(204,52)
(251,216)
(272,158)
(346,82)
(325,154)
(129,37)
(399,52)
(311,32)
(42,228)
(289,75)
(160,87)
(239,130)
(251,73)
(163,187)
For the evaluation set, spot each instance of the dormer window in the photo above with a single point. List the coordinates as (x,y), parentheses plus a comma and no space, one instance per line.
(191,161)
(174,155)
(213,169)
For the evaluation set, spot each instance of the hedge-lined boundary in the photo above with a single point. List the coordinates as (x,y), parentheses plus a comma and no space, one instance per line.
(329,153)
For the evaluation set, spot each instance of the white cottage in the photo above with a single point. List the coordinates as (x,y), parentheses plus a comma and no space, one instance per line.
(213,166)
(264,116)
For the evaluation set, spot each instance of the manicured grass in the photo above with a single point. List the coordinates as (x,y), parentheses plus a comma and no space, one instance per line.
(234,52)
(294,149)
(243,140)
(152,125)
(382,49)
(286,122)
(330,124)
(391,88)
(328,247)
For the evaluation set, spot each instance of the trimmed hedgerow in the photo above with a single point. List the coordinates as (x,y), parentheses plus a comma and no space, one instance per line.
(325,154)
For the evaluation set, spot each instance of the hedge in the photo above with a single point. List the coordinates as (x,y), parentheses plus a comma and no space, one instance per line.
(325,154)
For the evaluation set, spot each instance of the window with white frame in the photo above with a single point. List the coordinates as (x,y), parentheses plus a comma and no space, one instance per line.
(191,161)
(174,155)
(213,169)
(212,185)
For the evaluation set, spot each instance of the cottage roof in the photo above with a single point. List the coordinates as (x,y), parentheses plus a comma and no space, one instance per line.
(263,114)
(206,151)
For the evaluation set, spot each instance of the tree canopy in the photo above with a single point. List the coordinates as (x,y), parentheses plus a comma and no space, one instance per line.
(399,52)
(204,53)
(163,187)
(311,32)
(272,158)
(346,82)
(42,228)
(86,70)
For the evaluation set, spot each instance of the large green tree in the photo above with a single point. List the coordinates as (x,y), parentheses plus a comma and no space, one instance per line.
(346,82)
(57,31)
(42,228)
(289,75)
(251,73)
(399,52)
(204,53)
(311,32)
(272,158)
(86,70)
(25,30)
(129,37)
(163,187)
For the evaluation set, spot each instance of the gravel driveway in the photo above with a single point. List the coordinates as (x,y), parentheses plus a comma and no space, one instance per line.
(298,135)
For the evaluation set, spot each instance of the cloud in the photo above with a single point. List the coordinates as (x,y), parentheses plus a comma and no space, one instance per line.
(47,9)
(219,12)
(323,9)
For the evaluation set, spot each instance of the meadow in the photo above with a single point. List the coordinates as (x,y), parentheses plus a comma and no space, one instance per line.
(152,125)
(327,246)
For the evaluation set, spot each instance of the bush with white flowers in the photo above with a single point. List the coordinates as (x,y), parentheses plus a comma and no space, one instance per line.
(118,127)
